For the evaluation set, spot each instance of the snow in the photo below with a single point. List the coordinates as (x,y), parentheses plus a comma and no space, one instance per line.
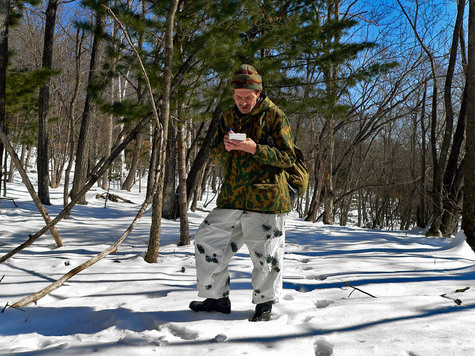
(125,306)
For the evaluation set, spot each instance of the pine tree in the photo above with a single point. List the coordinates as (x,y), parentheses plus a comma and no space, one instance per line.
(94,83)
(42,162)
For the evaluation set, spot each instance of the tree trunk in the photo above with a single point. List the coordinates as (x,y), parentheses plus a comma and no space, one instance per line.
(328,195)
(154,242)
(197,191)
(204,180)
(330,75)
(129,181)
(468,215)
(170,207)
(452,185)
(154,154)
(440,167)
(421,209)
(42,161)
(203,155)
(109,119)
(319,172)
(109,127)
(182,201)
(4,22)
(84,144)
(71,109)
(11,171)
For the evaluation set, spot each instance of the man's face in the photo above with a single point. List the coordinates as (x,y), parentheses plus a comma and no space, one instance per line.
(246,99)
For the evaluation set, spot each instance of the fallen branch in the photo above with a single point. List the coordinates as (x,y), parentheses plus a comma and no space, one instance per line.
(29,186)
(113,197)
(33,298)
(362,291)
(456,300)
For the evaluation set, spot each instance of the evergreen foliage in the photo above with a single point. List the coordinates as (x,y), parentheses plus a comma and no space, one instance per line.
(315,66)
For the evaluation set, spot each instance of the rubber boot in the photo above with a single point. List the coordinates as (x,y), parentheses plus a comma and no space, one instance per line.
(222,305)
(263,312)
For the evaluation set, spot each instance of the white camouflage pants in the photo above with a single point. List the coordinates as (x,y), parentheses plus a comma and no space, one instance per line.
(222,234)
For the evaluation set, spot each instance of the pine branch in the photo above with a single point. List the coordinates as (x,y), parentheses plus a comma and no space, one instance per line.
(142,67)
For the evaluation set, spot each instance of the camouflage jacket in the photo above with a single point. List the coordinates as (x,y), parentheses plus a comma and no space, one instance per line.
(255,182)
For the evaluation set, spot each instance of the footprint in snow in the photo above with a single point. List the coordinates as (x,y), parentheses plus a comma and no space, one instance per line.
(182,332)
(323,348)
(317,277)
(323,303)
(220,338)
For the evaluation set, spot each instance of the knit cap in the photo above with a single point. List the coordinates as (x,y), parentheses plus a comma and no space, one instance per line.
(246,77)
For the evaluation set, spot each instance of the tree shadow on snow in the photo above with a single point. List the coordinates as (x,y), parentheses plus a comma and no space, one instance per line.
(85,320)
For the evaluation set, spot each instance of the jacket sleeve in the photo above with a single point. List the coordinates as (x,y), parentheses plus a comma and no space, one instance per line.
(280,152)
(219,155)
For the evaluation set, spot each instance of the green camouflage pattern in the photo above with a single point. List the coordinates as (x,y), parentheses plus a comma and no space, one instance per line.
(255,182)
(246,77)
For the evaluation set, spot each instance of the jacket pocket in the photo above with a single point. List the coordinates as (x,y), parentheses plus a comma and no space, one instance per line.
(266,194)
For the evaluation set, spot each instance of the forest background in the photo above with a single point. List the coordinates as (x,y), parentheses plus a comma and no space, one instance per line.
(377,93)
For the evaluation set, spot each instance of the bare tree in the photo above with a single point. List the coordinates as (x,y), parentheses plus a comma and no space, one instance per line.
(442,166)
(468,216)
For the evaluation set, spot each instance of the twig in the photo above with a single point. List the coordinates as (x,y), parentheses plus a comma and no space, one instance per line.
(1,279)
(362,291)
(456,300)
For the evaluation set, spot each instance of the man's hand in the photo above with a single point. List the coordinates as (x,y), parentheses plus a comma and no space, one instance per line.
(248,146)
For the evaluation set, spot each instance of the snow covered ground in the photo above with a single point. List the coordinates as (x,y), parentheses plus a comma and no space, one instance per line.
(125,306)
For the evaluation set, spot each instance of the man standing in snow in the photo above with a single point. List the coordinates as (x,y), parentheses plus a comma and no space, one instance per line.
(253,201)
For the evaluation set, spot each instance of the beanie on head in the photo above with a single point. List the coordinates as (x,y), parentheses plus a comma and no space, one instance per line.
(246,77)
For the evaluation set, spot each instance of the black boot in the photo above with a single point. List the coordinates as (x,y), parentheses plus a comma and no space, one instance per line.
(221,305)
(263,311)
